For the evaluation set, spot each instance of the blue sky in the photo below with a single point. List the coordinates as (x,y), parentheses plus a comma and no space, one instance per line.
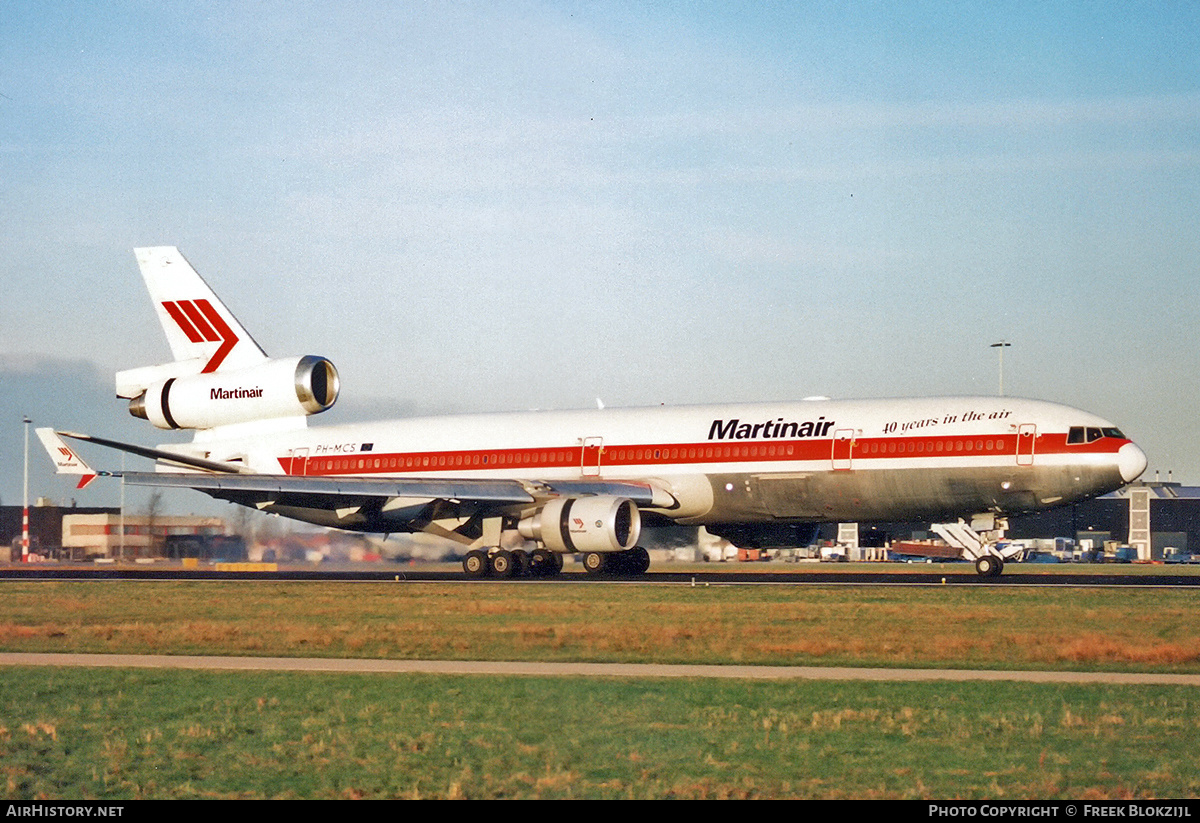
(472,206)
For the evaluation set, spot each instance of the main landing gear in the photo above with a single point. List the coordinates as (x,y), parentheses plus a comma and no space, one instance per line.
(503,563)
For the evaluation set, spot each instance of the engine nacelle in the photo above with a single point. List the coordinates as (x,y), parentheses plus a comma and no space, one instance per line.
(585,524)
(290,387)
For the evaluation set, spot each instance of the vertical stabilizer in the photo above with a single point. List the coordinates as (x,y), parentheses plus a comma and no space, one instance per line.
(197,325)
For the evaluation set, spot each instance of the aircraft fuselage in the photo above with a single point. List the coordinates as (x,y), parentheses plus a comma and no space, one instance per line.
(809,461)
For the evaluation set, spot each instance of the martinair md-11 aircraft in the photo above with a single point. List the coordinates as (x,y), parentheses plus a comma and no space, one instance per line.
(585,481)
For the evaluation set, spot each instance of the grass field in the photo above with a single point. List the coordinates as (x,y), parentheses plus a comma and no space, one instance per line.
(1009,627)
(67,733)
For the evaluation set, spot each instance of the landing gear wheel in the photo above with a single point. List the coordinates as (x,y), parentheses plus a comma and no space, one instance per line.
(522,564)
(501,564)
(475,564)
(542,563)
(631,562)
(989,566)
(595,563)
(639,560)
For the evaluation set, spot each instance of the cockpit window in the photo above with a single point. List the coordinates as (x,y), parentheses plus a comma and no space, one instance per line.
(1081,434)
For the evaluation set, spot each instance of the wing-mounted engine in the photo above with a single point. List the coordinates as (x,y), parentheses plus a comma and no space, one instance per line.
(290,387)
(585,524)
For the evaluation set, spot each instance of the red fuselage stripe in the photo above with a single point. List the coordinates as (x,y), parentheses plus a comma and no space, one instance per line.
(758,451)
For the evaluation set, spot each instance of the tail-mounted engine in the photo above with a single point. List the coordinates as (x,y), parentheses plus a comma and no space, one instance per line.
(585,524)
(291,387)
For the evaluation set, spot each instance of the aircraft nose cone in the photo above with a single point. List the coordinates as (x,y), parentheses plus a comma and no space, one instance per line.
(1131,461)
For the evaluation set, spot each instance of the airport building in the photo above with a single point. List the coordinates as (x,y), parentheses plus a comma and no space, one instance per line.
(78,533)
(45,528)
(1159,521)
(100,535)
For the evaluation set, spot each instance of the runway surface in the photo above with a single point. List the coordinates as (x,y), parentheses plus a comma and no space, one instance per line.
(519,668)
(700,574)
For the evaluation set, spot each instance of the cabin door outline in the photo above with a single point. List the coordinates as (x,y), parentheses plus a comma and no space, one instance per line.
(593,448)
(1026,443)
(843,448)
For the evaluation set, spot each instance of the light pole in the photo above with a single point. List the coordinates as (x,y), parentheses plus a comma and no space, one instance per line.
(25,498)
(1002,345)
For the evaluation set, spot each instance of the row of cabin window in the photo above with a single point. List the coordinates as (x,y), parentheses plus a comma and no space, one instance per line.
(935,447)
(541,458)
(443,461)
(621,455)
(701,453)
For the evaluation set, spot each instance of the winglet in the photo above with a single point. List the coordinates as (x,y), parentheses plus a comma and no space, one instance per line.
(66,461)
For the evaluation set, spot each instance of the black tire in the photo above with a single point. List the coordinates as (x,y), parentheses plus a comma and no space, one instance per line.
(632,562)
(475,564)
(989,566)
(595,563)
(522,565)
(639,560)
(541,563)
(501,563)
(617,563)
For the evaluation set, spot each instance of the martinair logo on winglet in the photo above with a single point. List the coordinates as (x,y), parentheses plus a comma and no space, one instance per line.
(202,324)
(70,461)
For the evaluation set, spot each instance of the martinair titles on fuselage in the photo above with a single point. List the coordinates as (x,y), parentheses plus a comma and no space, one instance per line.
(735,429)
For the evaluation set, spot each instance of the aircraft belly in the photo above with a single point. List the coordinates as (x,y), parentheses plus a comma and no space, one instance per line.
(865,495)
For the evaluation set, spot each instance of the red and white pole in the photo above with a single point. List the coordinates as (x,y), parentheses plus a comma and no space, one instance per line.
(25,500)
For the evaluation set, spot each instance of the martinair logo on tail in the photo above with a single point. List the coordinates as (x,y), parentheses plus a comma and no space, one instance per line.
(202,324)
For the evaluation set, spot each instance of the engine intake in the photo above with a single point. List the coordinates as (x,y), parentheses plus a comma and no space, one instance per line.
(291,387)
(585,524)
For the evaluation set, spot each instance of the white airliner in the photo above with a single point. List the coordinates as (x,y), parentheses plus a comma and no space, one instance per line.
(584,481)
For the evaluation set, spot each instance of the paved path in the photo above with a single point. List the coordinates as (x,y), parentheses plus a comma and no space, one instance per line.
(511,668)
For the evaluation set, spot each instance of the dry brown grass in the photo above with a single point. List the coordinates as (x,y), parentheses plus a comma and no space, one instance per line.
(855,625)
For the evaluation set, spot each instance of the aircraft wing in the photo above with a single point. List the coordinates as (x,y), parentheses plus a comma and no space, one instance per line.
(465,490)
(451,508)
(143,451)
(483,491)
(359,503)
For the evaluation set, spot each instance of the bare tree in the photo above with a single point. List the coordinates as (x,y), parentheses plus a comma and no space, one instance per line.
(153,510)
